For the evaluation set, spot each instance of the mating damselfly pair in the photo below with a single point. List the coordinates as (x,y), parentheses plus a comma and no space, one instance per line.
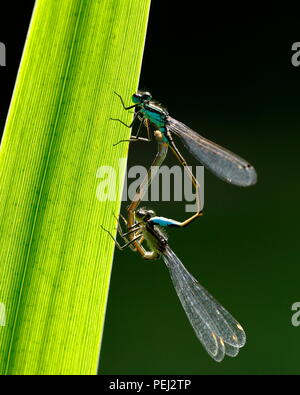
(214,326)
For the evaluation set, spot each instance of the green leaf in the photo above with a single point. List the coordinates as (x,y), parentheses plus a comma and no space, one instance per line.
(55,260)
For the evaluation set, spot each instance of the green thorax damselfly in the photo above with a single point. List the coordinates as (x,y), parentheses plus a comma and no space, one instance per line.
(220,161)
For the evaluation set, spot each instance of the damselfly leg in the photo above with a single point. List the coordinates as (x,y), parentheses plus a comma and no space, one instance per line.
(128,243)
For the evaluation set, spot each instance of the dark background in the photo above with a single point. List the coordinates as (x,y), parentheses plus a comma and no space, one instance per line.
(227,73)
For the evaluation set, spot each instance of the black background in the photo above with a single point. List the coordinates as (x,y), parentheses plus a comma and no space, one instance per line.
(227,73)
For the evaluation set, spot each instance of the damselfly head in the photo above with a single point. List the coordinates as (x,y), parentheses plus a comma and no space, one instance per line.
(141,97)
(144,215)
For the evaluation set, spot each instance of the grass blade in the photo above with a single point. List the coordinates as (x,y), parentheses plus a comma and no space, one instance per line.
(55,260)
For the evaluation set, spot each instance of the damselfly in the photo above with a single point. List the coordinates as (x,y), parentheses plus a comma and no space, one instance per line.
(220,161)
(217,330)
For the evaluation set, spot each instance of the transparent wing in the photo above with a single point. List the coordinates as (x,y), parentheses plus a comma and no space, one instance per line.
(214,326)
(220,161)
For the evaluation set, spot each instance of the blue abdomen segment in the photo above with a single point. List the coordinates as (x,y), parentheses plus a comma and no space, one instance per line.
(162,221)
